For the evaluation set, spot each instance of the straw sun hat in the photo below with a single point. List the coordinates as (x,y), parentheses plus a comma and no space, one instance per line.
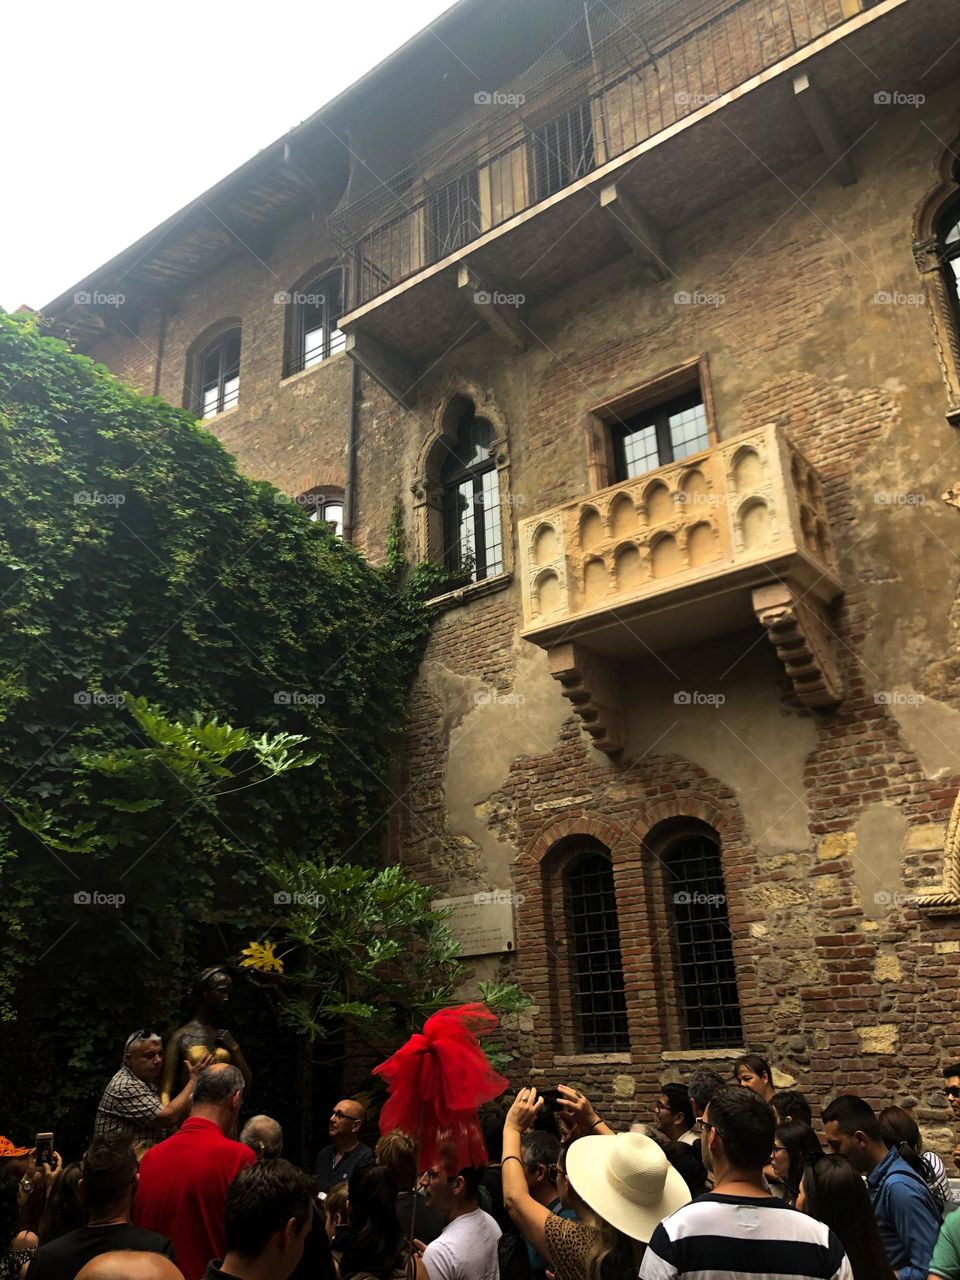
(627,1180)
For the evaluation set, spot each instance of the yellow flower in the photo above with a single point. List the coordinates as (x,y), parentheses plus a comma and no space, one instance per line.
(261,956)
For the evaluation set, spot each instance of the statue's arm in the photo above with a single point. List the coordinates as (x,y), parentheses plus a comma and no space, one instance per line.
(236,1054)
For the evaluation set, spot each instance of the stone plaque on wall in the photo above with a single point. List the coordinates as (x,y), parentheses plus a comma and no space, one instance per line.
(481,922)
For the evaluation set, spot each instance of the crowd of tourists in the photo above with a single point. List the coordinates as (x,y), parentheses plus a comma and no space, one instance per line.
(729,1179)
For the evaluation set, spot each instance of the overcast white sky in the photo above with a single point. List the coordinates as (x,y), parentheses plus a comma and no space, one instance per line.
(118,112)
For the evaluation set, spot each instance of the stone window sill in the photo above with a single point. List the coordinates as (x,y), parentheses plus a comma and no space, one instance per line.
(219,417)
(591,1059)
(321,364)
(460,595)
(701,1055)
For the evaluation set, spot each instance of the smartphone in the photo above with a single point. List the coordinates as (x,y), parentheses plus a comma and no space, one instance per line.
(44,1149)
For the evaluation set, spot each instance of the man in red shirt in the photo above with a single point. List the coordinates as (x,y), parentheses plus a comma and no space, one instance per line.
(182,1191)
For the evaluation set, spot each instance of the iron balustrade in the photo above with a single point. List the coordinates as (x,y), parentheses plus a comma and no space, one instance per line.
(539,153)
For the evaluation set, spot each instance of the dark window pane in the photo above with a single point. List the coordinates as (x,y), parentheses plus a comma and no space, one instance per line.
(596,964)
(660,435)
(705,976)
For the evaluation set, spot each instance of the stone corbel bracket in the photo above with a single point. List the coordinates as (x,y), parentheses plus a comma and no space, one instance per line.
(804,642)
(593,686)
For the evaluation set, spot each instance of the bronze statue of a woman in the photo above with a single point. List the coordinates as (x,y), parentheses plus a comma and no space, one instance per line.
(203,1035)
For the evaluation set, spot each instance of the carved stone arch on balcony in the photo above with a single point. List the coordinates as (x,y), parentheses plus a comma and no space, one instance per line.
(459,396)
(944,191)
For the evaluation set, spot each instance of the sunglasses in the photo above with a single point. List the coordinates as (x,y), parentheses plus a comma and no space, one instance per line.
(143,1034)
(952,1091)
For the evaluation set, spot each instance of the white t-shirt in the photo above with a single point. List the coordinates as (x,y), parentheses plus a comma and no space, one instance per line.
(466,1249)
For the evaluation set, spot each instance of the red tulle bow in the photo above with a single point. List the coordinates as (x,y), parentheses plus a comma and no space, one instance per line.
(436,1082)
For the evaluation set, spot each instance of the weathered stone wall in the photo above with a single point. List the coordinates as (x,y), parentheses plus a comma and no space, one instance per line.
(830,821)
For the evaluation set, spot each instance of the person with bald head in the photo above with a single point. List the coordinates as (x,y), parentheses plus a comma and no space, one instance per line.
(183,1180)
(345,1152)
(129,1264)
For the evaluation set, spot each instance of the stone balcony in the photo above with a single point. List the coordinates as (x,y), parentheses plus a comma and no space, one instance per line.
(727,538)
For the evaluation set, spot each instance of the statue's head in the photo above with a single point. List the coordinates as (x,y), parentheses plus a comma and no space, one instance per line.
(214,988)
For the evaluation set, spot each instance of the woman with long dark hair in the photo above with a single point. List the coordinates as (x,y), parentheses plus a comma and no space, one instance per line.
(832,1191)
(793,1143)
(375,1241)
(899,1129)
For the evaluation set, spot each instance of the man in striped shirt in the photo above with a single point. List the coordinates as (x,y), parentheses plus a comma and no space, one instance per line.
(739,1231)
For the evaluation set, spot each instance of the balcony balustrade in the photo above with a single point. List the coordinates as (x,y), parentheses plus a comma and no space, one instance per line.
(725,538)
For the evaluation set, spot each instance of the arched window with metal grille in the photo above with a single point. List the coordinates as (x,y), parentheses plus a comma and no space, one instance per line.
(596,963)
(704,973)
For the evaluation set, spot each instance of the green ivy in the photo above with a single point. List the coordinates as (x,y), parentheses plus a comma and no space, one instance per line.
(151,598)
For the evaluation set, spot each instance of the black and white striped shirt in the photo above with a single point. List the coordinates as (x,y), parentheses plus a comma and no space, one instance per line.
(719,1237)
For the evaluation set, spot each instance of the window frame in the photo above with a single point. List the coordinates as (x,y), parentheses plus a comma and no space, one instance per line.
(603,420)
(450,486)
(218,346)
(333,341)
(582,850)
(542,156)
(678,1034)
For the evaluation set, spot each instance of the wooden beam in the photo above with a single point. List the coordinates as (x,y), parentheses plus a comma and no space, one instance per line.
(642,233)
(493,307)
(823,122)
(387,367)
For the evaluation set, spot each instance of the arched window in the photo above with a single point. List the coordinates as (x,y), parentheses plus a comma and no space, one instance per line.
(705,979)
(314,314)
(596,963)
(218,375)
(327,508)
(948,236)
(472,537)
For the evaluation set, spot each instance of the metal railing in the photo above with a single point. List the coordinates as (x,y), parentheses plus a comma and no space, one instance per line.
(386,238)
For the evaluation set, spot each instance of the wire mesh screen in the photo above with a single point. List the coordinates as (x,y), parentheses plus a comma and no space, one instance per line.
(705,976)
(596,964)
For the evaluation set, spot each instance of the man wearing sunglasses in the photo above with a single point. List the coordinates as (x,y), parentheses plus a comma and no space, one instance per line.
(346,1152)
(131,1107)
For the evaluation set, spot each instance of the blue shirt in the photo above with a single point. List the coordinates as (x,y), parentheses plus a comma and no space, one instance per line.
(328,1174)
(906,1215)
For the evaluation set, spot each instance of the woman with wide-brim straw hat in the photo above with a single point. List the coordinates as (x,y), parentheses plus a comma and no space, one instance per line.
(621,1186)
